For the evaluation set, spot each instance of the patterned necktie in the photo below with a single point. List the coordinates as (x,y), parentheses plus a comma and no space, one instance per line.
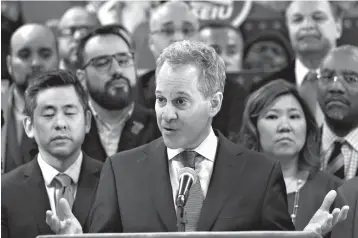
(308,91)
(195,200)
(335,163)
(63,190)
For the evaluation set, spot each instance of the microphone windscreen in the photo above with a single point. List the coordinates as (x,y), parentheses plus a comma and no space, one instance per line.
(190,172)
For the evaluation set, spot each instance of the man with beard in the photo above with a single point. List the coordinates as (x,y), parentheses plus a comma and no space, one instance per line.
(109,75)
(33,50)
(338,97)
(75,23)
(314,27)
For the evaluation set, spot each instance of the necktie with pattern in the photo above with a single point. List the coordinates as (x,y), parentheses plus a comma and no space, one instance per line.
(195,200)
(63,190)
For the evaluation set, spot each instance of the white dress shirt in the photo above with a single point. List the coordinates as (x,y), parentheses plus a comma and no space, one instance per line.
(300,72)
(203,166)
(49,173)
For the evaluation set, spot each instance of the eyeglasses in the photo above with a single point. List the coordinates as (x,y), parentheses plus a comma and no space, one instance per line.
(70,31)
(104,63)
(348,78)
(189,30)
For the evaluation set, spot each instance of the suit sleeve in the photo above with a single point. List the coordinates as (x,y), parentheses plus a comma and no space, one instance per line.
(275,214)
(4,222)
(105,214)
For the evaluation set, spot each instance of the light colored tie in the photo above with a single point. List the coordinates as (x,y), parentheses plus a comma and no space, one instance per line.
(195,200)
(63,190)
(308,91)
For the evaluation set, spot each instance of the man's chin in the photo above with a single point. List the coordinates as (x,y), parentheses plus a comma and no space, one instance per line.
(336,115)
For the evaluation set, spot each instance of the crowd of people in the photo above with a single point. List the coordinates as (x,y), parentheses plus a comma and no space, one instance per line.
(89,146)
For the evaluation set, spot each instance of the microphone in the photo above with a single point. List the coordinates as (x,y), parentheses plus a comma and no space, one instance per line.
(187,177)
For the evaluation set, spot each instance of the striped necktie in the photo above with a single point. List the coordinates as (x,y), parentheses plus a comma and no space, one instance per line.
(63,190)
(195,200)
(335,163)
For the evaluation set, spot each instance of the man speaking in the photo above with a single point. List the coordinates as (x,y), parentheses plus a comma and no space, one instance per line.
(138,188)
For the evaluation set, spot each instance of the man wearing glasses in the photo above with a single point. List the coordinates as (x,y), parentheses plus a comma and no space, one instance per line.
(169,22)
(73,26)
(338,98)
(108,73)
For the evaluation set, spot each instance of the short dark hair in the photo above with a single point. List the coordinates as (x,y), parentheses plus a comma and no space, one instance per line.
(51,79)
(113,29)
(260,100)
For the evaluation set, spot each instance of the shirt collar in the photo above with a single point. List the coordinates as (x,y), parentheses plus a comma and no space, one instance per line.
(328,138)
(300,71)
(207,148)
(49,172)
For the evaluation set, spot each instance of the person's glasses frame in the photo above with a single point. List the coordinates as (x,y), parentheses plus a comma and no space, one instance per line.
(330,78)
(104,62)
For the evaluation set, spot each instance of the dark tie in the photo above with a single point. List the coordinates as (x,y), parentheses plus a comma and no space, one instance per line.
(308,91)
(335,163)
(195,201)
(64,190)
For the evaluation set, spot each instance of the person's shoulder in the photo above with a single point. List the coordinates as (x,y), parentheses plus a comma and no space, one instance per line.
(287,73)
(133,155)
(146,76)
(14,177)
(350,185)
(325,179)
(92,163)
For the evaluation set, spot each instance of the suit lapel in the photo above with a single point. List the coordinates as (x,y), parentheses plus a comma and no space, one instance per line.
(86,190)
(158,178)
(224,180)
(37,195)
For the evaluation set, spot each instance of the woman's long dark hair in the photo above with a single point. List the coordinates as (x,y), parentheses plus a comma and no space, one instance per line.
(263,98)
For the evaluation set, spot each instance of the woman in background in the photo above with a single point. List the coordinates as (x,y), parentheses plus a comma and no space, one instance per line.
(278,122)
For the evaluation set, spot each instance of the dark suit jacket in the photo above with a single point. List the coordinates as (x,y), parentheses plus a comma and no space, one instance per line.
(246,192)
(13,153)
(141,128)
(227,121)
(287,73)
(25,199)
(348,195)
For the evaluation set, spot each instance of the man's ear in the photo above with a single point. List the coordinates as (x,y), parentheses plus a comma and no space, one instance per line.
(8,64)
(88,117)
(29,127)
(215,103)
(339,27)
(81,75)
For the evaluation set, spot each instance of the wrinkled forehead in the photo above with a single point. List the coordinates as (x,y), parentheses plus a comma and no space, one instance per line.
(77,17)
(170,15)
(341,61)
(308,8)
(33,39)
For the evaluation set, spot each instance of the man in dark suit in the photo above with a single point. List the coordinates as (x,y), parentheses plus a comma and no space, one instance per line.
(33,50)
(348,194)
(163,22)
(57,116)
(109,75)
(314,28)
(138,188)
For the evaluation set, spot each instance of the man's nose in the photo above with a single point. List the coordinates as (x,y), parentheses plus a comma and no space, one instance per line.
(60,122)
(169,113)
(178,35)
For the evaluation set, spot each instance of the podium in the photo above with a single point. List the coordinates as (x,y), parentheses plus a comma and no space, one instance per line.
(243,234)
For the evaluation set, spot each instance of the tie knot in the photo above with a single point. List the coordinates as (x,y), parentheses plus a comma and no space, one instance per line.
(188,158)
(63,180)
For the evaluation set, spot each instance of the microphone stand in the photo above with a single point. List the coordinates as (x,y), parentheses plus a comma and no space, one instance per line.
(181,219)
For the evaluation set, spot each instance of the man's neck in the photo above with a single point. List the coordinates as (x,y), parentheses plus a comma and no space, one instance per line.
(60,164)
(19,99)
(311,60)
(111,117)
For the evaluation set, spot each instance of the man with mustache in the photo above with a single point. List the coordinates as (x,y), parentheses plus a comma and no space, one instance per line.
(33,50)
(109,75)
(338,97)
(314,27)
(57,117)
(75,23)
